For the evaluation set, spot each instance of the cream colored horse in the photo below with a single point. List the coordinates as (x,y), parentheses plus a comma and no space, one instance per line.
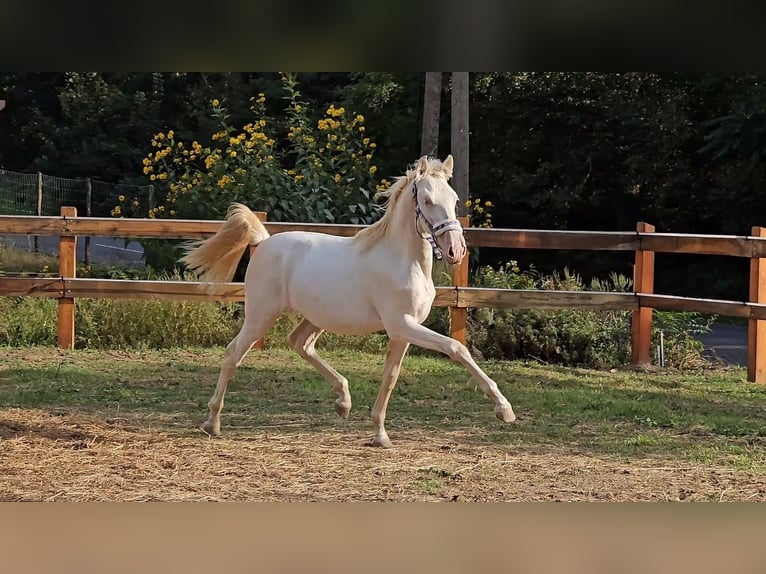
(379,279)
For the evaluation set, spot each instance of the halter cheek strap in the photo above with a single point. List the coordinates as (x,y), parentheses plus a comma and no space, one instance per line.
(435,229)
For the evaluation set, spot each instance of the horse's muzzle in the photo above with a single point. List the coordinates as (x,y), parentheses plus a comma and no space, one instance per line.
(452,245)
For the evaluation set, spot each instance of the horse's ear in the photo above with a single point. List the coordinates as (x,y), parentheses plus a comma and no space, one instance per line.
(422,166)
(448,163)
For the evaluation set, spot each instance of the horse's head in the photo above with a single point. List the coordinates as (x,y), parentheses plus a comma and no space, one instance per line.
(435,207)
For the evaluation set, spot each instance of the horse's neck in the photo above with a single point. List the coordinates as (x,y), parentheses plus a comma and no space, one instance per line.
(405,239)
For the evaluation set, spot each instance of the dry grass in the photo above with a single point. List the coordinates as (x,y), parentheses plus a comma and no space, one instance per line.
(47,457)
(117,425)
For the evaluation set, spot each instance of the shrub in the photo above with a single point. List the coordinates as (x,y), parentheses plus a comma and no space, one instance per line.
(298,169)
(570,337)
(574,337)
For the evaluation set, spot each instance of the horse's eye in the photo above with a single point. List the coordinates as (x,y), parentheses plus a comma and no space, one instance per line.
(428,202)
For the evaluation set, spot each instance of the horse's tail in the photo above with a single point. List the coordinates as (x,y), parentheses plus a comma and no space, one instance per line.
(216,258)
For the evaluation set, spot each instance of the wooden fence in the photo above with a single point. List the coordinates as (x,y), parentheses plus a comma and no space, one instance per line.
(644,242)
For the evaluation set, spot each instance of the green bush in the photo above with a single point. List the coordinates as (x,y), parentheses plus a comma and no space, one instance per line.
(120,323)
(569,337)
(27,321)
(573,337)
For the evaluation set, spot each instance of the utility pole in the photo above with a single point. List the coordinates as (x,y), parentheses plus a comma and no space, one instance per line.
(459,137)
(429,140)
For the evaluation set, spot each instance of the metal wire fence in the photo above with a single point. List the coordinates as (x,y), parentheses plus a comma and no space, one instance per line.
(42,194)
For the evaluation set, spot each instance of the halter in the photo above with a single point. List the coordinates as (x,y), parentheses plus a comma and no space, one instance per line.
(437,229)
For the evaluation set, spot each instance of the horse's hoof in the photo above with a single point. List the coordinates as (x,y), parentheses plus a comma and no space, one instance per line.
(505,413)
(343,409)
(381,442)
(211,429)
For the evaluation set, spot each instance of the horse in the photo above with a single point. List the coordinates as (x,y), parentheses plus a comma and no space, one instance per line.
(377,280)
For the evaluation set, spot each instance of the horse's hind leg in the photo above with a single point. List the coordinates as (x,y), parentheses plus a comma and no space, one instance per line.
(251,331)
(302,339)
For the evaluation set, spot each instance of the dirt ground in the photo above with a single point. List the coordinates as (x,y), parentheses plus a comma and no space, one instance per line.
(50,457)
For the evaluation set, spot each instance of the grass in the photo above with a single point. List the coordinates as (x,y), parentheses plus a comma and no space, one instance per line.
(16,260)
(711,417)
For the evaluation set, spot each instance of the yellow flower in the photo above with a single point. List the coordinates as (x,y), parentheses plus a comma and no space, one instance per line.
(366,141)
(116,210)
(337,178)
(121,197)
(468,203)
(488,204)
(162,176)
(171,133)
(172,212)
(152,177)
(361,129)
(373,145)
(233,153)
(373,169)
(216,103)
(135,203)
(360,118)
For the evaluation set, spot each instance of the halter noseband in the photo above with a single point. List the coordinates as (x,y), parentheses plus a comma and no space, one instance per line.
(435,229)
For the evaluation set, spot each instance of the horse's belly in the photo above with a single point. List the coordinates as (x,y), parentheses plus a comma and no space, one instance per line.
(338,307)
(342,319)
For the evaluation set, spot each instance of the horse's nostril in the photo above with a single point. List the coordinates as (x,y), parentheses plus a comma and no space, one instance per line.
(451,253)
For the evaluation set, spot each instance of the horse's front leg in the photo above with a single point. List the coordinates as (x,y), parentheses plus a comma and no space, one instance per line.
(396,351)
(407,328)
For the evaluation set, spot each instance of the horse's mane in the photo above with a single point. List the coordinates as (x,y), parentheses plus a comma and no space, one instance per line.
(368,236)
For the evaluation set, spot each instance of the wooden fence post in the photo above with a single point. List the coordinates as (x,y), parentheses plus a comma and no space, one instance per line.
(643,282)
(458,316)
(67,270)
(756,329)
(262,215)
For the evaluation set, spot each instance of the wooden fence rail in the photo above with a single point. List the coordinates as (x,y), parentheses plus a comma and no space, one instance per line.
(644,242)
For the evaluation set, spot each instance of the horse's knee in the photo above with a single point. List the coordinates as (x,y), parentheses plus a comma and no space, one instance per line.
(457,351)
